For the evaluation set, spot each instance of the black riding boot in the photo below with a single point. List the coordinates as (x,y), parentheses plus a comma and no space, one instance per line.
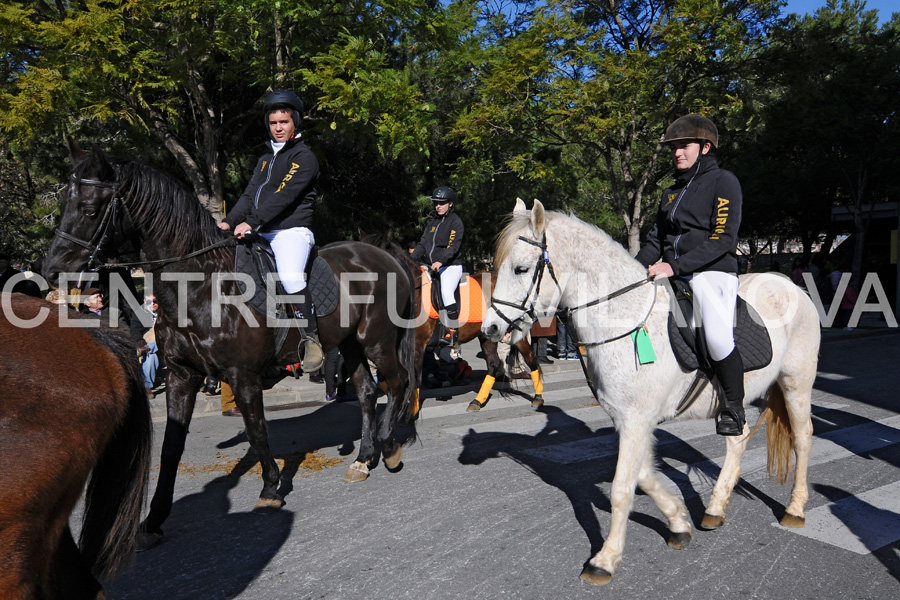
(730,417)
(313,357)
(451,335)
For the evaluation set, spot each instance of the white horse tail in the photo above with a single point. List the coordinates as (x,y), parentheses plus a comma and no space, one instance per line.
(778,434)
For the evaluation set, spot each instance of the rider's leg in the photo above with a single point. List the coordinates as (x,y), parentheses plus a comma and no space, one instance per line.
(715,294)
(450,277)
(292,248)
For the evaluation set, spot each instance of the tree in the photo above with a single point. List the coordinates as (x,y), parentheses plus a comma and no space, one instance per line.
(601,80)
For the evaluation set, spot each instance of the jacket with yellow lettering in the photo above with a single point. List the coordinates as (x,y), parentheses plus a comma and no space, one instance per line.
(281,192)
(441,241)
(697,224)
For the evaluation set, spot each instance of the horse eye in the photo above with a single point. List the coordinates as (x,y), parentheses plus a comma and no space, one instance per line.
(89,211)
(519,270)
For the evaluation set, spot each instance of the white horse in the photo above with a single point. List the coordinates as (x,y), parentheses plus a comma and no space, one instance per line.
(547,260)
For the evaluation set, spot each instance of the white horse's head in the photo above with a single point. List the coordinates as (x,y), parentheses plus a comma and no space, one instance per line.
(525,289)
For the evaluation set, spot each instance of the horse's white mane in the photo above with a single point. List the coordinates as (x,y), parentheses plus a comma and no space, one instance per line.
(565,228)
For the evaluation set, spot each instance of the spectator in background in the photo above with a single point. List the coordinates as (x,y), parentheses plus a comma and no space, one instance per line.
(22,286)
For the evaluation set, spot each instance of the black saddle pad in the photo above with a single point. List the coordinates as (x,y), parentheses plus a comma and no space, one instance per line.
(750,335)
(257,260)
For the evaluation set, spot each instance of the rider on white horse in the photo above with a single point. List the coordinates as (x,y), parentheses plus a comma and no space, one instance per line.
(695,239)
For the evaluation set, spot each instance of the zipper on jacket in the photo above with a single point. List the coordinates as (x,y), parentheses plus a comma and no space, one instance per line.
(434,238)
(268,177)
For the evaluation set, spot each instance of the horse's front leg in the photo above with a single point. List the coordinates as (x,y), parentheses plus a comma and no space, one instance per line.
(181,393)
(249,397)
(494,370)
(714,516)
(634,444)
(534,368)
(672,507)
(366,392)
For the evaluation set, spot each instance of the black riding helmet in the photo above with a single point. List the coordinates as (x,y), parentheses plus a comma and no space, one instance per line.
(443,194)
(284,100)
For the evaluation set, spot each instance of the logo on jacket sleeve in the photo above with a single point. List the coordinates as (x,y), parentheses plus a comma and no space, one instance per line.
(721,219)
(288,177)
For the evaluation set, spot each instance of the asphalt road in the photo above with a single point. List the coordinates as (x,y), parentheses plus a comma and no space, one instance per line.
(510,502)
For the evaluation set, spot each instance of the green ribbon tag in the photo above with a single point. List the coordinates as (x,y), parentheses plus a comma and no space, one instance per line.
(642,346)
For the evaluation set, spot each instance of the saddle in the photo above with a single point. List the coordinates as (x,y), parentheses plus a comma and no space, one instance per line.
(750,335)
(469,298)
(257,260)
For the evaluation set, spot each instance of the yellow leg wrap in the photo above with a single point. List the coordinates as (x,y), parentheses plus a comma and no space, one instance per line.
(416,405)
(536,380)
(485,390)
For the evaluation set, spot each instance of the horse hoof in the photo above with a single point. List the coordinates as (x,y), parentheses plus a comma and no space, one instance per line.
(147,540)
(712,521)
(595,575)
(538,401)
(680,540)
(268,505)
(393,461)
(475,406)
(789,520)
(357,472)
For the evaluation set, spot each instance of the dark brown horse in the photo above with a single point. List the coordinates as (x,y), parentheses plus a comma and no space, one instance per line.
(111,201)
(467,331)
(57,427)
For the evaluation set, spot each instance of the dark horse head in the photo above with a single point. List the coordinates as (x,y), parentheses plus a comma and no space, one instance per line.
(110,202)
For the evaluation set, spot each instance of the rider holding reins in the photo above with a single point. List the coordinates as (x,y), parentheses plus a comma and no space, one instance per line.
(278,205)
(695,239)
(439,248)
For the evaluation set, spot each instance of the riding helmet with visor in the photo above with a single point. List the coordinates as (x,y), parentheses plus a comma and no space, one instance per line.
(692,128)
(443,194)
(284,100)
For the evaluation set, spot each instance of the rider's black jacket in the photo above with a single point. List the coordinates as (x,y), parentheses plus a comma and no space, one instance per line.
(697,224)
(441,241)
(281,192)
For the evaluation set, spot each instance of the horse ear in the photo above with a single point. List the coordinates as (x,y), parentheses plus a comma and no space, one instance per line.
(520,206)
(105,170)
(76,154)
(538,217)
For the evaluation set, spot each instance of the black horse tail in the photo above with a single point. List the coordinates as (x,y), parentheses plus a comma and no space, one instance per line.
(408,355)
(116,492)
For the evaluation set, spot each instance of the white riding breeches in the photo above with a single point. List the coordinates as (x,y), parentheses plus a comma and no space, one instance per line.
(450,276)
(715,295)
(291,247)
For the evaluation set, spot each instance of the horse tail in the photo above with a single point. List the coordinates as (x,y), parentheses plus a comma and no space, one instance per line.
(778,434)
(117,489)
(407,352)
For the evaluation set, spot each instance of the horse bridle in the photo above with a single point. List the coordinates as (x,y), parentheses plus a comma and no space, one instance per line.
(106,228)
(543,262)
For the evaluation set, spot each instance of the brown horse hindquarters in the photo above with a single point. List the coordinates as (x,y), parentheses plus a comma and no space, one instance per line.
(55,425)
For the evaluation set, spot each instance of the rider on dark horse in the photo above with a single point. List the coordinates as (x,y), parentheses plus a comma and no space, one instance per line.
(695,239)
(439,248)
(278,205)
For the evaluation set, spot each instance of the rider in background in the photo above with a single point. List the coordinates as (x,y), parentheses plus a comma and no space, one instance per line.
(439,248)
(278,205)
(695,239)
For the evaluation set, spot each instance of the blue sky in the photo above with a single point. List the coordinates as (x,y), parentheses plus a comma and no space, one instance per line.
(884,7)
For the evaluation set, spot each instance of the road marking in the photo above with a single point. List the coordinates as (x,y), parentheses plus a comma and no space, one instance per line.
(861,523)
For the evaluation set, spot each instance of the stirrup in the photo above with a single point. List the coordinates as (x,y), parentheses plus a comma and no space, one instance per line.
(451,338)
(730,419)
(313,357)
